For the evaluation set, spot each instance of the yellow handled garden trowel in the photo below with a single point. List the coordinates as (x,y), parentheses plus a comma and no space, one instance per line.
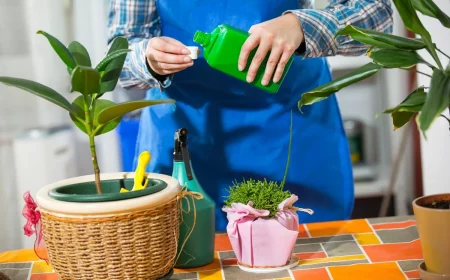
(140,178)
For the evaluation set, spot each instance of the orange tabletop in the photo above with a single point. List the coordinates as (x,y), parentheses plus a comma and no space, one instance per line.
(378,248)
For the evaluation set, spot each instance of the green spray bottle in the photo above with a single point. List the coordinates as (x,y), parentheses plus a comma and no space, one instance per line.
(222,48)
(199,247)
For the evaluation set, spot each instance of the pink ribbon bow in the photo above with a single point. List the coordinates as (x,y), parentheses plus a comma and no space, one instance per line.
(33,216)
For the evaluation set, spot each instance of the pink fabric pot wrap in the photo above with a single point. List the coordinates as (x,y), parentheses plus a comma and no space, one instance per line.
(259,242)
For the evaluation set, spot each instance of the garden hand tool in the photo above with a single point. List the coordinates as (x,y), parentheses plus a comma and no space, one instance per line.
(140,179)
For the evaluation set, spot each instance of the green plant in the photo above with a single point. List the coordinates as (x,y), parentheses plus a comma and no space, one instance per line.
(91,114)
(265,195)
(390,51)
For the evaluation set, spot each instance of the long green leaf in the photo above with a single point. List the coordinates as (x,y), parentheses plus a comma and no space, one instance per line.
(438,99)
(412,103)
(78,113)
(406,110)
(380,39)
(60,49)
(100,106)
(119,110)
(80,54)
(85,80)
(39,90)
(395,58)
(114,68)
(429,8)
(399,119)
(409,16)
(110,57)
(322,92)
(413,23)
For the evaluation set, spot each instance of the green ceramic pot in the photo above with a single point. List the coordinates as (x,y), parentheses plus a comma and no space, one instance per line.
(86,191)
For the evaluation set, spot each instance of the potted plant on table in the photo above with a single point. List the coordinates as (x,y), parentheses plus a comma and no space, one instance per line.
(263,223)
(424,104)
(92,228)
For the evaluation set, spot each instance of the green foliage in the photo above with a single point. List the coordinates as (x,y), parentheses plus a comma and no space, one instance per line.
(113,112)
(438,99)
(80,54)
(389,51)
(111,73)
(85,80)
(413,23)
(265,195)
(324,91)
(60,49)
(380,40)
(92,115)
(78,115)
(110,57)
(395,58)
(429,8)
(412,103)
(38,90)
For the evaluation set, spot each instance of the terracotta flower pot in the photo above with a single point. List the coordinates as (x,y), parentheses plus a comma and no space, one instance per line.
(434,232)
(261,242)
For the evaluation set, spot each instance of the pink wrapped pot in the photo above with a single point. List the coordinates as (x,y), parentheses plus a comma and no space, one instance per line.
(263,242)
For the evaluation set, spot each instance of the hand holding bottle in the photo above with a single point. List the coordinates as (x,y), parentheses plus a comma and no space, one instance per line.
(281,36)
(166,56)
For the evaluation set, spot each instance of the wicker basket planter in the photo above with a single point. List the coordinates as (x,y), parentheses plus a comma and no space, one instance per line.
(111,238)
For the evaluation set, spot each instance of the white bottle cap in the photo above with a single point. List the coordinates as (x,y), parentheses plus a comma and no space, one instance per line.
(194,52)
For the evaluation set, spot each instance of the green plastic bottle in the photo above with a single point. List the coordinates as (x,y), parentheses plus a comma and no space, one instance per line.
(222,48)
(199,247)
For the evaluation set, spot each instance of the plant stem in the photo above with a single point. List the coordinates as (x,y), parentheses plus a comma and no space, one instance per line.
(429,65)
(95,164)
(99,127)
(425,74)
(91,133)
(443,53)
(417,71)
(289,155)
(446,118)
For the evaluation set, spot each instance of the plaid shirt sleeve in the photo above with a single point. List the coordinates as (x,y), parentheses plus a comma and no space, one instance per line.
(138,21)
(320,26)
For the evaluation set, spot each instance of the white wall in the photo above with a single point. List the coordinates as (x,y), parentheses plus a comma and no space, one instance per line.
(28,55)
(46,65)
(436,148)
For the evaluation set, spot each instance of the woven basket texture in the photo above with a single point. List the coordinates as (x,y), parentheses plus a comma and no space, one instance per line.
(130,245)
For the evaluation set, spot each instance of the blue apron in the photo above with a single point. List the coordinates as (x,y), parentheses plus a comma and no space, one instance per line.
(237,131)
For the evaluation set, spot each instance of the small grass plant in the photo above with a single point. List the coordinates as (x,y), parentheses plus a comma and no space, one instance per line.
(264,194)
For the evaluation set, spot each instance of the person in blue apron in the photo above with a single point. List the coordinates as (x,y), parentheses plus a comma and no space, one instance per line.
(237,131)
